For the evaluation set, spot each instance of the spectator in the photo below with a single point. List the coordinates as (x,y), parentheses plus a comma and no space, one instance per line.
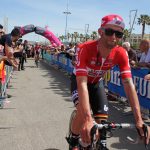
(1,46)
(147,77)
(62,49)
(42,51)
(32,51)
(138,54)
(70,52)
(6,40)
(144,62)
(131,53)
(25,45)
(1,27)
(18,52)
(145,57)
(1,30)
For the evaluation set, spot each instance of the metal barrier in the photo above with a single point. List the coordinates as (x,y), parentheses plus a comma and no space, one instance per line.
(4,84)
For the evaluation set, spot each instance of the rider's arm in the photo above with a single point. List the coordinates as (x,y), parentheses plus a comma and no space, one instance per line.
(133,99)
(83,106)
(84,98)
(132,96)
(129,86)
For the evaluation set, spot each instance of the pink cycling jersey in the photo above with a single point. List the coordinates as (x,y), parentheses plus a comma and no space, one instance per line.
(88,64)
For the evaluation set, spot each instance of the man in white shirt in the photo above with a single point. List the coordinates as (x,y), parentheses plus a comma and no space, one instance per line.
(145,62)
(145,58)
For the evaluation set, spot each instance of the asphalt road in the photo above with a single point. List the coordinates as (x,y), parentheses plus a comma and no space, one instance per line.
(37,116)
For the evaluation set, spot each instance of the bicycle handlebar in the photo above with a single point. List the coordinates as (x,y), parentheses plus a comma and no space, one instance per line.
(115,126)
(109,126)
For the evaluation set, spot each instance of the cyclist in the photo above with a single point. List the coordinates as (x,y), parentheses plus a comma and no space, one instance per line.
(93,60)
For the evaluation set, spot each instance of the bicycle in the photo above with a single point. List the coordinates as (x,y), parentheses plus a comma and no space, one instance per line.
(104,129)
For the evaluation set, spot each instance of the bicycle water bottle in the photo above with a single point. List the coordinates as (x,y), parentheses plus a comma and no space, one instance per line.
(83,144)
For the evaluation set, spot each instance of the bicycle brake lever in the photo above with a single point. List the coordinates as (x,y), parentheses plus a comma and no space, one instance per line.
(145,130)
(145,134)
(93,130)
(92,133)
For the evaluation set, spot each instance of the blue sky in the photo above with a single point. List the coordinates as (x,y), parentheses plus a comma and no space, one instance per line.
(50,12)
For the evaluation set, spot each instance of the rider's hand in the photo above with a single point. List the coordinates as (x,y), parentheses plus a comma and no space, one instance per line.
(85,131)
(140,128)
(148,136)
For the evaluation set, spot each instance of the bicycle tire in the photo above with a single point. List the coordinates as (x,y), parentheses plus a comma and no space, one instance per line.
(69,130)
(70,121)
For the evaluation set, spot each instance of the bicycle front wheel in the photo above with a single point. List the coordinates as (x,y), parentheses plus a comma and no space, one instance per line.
(73,114)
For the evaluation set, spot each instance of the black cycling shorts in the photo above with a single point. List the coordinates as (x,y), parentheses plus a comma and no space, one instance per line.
(97,96)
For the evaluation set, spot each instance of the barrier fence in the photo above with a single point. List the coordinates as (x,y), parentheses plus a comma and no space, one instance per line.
(5,75)
(112,79)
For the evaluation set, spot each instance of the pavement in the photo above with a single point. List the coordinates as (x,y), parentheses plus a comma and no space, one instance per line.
(37,116)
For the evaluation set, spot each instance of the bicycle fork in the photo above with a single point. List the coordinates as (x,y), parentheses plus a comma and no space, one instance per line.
(101,143)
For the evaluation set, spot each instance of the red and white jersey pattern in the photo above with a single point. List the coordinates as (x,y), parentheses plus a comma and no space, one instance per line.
(94,68)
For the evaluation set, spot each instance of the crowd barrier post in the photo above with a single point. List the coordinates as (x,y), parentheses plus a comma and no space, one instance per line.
(4,84)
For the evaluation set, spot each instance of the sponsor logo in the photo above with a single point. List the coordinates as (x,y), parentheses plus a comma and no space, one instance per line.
(105,108)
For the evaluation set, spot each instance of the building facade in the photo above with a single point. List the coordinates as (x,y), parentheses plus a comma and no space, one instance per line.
(135,39)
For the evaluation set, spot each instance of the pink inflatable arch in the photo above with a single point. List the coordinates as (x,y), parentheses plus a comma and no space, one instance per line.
(48,34)
(41,31)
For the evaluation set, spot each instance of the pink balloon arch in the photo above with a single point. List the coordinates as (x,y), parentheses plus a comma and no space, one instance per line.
(41,31)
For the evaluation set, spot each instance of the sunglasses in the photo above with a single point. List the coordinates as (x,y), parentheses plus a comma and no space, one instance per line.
(110,32)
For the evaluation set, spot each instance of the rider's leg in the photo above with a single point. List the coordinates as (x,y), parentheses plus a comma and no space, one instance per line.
(76,122)
(75,129)
(99,106)
(98,101)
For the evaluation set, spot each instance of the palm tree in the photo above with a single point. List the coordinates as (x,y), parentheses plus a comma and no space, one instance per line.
(144,20)
(76,35)
(68,36)
(81,37)
(126,34)
(72,36)
(94,35)
(62,37)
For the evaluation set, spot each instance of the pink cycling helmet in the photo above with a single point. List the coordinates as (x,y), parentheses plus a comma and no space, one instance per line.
(114,20)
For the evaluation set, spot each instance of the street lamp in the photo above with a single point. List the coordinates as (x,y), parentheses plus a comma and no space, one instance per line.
(132,24)
(86,30)
(66,13)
